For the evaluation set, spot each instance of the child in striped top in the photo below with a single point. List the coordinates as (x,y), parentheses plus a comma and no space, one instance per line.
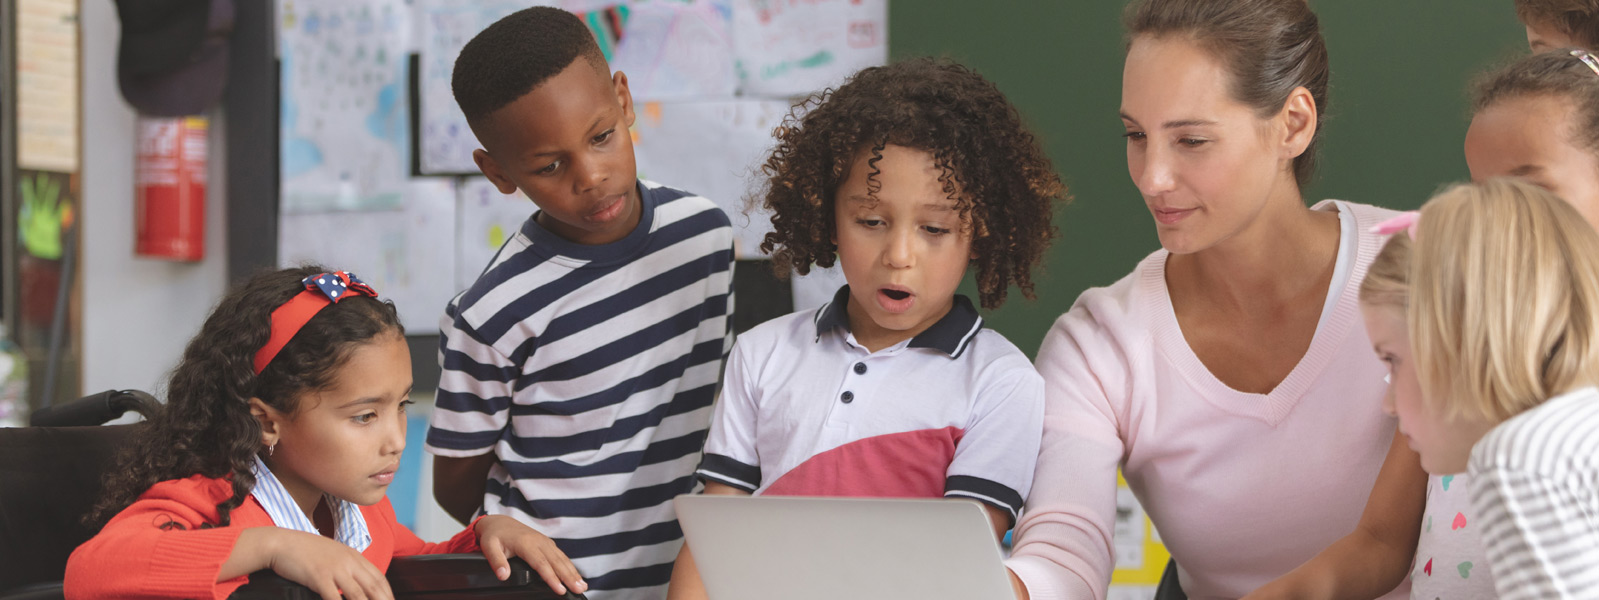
(579,369)
(1504,284)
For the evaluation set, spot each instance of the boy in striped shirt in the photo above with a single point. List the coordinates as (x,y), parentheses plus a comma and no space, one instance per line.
(579,369)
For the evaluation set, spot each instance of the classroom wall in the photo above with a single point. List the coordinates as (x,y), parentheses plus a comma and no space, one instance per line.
(137,313)
(1395,125)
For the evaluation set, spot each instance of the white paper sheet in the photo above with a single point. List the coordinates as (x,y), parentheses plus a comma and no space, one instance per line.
(816,288)
(47,84)
(406,254)
(1129,533)
(345,141)
(669,50)
(676,51)
(786,48)
(446,142)
(712,148)
(486,218)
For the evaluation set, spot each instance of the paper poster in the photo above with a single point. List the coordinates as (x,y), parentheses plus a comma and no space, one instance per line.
(345,141)
(486,219)
(446,142)
(676,51)
(714,149)
(816,288)
(787,48)
(669,50)
(1140,556)
(1129,531)
(405,254)
(47,85)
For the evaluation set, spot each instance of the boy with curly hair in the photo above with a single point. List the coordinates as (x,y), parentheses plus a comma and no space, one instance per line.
(904,176)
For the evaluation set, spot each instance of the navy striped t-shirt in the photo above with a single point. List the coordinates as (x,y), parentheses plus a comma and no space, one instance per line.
(590,371)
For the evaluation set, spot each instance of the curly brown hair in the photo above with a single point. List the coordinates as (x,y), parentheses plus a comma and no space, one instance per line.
(206,427)
(992,167)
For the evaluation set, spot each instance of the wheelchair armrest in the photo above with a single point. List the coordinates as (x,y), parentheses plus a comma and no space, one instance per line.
(434,573)
(37,591)
(423,576)
(267,585)
(95,409)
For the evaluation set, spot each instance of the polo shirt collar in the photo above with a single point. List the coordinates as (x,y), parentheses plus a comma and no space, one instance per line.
(949,335)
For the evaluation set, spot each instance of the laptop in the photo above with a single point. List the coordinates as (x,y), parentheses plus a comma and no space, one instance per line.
(783,548)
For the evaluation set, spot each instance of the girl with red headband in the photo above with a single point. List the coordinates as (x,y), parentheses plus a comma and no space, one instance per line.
(282,430)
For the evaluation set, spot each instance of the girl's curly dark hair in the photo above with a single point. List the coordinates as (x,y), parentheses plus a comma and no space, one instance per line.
(205,427)
(1002,182)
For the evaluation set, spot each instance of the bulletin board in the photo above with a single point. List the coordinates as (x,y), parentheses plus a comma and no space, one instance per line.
(376,167)
(41,170)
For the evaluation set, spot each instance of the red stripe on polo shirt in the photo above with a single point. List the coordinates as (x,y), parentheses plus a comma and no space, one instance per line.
(911,464)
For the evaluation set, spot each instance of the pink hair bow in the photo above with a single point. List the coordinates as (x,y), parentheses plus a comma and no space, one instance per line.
(1406,222)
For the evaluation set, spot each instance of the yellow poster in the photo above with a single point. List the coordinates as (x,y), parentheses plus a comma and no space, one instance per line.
(1140,556)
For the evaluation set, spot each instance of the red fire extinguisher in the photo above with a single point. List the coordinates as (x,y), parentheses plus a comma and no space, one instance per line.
(169,201)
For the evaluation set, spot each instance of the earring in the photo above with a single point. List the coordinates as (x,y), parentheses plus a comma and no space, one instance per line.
(272,448)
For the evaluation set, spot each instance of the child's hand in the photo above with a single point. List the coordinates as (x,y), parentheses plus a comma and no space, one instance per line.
(326,566)
(502,537)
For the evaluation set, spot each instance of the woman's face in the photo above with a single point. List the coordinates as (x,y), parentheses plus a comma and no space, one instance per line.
(1205,163)
(1533,137)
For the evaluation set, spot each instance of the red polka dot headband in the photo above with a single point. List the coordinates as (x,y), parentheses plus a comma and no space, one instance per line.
(321,291)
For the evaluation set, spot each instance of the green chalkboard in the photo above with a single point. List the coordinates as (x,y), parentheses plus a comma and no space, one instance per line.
(1396,118)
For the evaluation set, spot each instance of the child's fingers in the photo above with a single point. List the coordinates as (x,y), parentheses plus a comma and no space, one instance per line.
(377,583)
(569,575)
(373,584)
(546,572)
(327,589)
(495,553)
(551,564)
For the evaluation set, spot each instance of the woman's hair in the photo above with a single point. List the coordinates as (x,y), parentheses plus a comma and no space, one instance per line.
(1270,47)
(206,427)
(992,167)
(1504,309)
(1387,281)
(1551,74)
(1576,18)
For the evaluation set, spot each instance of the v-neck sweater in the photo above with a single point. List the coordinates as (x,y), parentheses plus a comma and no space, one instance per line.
(1242,487)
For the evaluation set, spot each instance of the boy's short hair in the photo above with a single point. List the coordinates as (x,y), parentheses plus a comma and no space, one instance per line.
(976,138)
(1504,299)
(516,54)
(1576,18)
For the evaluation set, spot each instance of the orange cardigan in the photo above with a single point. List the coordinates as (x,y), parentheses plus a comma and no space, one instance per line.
(156,549)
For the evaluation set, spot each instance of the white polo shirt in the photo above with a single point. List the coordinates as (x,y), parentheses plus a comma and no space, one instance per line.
(807,411)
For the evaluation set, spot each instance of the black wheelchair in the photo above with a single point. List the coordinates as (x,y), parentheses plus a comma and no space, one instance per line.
(50,477)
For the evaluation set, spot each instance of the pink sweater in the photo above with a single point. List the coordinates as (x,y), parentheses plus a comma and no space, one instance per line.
(1242,487)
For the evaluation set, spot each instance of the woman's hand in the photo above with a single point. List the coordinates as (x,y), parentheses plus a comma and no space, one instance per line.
(327,567)
(503,537)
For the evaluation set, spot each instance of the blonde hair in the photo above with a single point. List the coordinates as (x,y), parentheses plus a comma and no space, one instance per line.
(1387,281)
(1504,299)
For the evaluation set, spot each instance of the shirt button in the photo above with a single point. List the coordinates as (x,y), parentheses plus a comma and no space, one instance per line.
(860,368)
(847,397)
